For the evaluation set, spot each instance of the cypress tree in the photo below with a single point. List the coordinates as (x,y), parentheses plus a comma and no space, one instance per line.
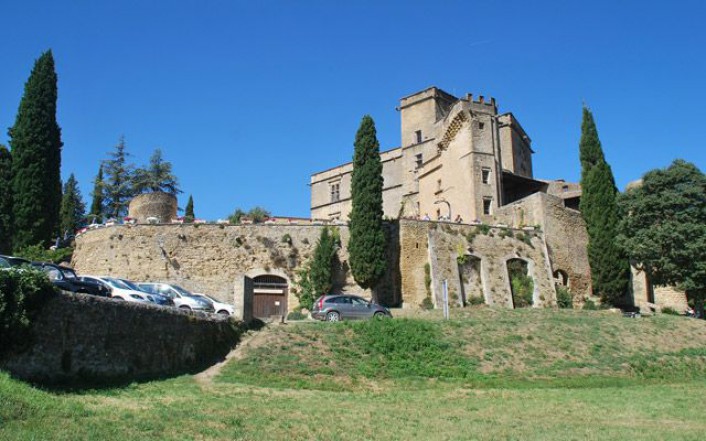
(5,200)
(72,207)
(610,269)
(117,185)
(367,240)
(321,274)
(189,212)
(36,144)
(97,207)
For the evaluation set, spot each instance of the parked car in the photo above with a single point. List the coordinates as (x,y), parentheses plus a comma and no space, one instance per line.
(4,263)
(65,278)
(182,298)
(155,298)
(335,307)
(15,261)
(118,291)
(220,307)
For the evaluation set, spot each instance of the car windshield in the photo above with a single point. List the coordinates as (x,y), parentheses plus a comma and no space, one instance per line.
(181,290)
(68,273)
(131,285)
(117,283)
(4,263)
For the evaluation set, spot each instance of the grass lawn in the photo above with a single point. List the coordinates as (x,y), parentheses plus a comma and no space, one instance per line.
(484,375)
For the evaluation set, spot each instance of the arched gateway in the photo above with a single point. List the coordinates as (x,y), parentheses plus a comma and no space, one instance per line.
(269,296)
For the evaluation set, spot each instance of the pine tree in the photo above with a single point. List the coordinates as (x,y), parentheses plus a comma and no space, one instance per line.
(157,177)
(367,241)
(36,144)
(321,272)
(117,185)
(73,209)
(97,207)
(610,269)
(5,200)
(189,212)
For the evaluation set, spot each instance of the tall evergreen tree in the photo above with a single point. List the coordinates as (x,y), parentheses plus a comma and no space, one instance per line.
(157,176)
(610,269)
(36,144)
(189,211)
(321,274)
(5,200)
(367,241)
(73,209)
(97,207)
(117,185)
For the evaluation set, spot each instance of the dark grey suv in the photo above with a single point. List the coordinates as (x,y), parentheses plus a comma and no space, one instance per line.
(335,307)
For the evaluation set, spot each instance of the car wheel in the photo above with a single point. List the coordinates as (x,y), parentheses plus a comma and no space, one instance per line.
(333,316)
(224,312)
(379,315)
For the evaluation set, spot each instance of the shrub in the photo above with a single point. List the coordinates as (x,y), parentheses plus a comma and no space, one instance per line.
(484,229)
(475,300)
(590,305)
(23,292)
(296,315)
(669,310)
(286,238)
(564,298)
(427,303)
(41,254)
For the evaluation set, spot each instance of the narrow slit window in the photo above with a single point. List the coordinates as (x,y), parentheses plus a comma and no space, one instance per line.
(485,175)
(487,204)
(418,134)
(335,192)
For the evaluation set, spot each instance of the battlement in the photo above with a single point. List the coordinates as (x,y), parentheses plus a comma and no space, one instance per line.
(481,104)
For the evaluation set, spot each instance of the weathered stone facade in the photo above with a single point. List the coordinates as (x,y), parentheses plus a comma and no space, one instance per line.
(81,338)
(156,207)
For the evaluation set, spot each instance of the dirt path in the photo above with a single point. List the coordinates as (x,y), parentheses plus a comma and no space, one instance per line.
(250,340)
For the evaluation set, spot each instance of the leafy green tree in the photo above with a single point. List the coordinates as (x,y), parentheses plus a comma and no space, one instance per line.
(73,209)
(97,207)
(610,269)
(256,215)
(157,176)
(664,228)
(237,215)
(367,242)
(189,212)
(117,185)
(321,272)
(5,200)
(36,144)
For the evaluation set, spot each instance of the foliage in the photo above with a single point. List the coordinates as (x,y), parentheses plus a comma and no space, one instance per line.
(5,200)
(296,315)
(427,303)
(367,237)
(22,294)
(322,265)
(483,229)
(305,291)
(475,300)
(521,283)
(40,254)
(72,207)
(610,270)
(286,238)
(36,144)
(670,311)
(590,305)
(157,177)
(117,185)
(664,228)
(564,298)
(97,206)
(256,215)
(189,211)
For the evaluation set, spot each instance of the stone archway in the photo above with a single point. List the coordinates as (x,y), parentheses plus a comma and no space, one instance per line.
(522,283)
(469,270)
(561,278)
(269,296)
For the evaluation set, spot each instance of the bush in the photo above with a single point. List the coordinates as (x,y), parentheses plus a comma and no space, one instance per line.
(427,303)
(590,305)
(296,315)
(23,292)
(475,300)
(41,254)
(564,298)
(670,311)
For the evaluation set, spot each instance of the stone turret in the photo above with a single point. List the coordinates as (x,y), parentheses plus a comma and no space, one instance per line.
(157,207)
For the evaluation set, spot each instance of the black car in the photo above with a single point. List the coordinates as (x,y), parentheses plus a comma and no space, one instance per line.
(15,261)
(66,279)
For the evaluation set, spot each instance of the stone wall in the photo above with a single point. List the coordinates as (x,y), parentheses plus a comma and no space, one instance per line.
(651,298)
(80,338)
(440,245)
(210,259)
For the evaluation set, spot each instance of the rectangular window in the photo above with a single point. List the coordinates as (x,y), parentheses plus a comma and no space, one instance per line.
(481,126)
(487,203)
(335,192)
(485,175)
(418,133)
(418,160)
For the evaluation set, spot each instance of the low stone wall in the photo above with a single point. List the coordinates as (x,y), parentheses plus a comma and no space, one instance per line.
(84,339)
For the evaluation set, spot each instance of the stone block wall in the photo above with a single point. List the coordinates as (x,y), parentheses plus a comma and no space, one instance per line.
(81,338)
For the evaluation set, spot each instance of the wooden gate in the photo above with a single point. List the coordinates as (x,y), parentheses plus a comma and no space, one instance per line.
(269,296)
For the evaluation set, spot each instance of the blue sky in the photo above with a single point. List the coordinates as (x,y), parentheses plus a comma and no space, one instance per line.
(247,99)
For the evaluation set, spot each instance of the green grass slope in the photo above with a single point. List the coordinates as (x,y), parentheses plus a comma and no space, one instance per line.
(486,375)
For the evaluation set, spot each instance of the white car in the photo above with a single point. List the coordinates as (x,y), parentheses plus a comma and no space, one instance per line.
(120,291)
(220,307)
(182,298)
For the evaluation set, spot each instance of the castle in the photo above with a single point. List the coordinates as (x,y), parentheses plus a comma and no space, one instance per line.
(459,160)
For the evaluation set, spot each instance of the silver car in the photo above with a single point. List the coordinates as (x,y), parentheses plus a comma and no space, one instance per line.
(335,307)
(182,298)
